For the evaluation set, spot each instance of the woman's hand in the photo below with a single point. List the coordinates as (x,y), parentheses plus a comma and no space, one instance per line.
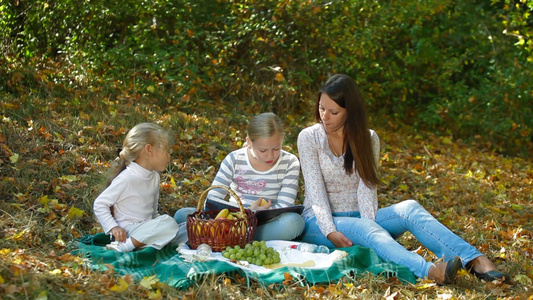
(339,239)
(260,204)
(119,234)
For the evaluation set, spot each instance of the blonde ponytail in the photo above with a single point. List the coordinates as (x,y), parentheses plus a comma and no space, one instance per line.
(135,140)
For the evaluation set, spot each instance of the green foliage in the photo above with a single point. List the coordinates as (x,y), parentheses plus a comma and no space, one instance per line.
(456,67)
(465,81)
(517,17)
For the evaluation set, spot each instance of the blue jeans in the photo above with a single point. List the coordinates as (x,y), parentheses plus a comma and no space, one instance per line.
(287,226)
(391,222)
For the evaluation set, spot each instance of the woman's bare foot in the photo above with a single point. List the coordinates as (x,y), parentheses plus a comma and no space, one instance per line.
(436,273)
(444,272)
(481,264)
(484,269)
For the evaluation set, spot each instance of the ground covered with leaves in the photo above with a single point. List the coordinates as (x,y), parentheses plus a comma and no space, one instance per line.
(75,76)
(54,154)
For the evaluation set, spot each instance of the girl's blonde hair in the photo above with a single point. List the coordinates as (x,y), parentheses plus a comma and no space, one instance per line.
(265,125)
(139,136)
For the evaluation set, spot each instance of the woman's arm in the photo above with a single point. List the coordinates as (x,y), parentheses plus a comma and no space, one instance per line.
(316,196)
(367,197)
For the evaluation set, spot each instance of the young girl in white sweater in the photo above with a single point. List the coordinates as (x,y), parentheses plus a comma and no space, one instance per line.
(128,207)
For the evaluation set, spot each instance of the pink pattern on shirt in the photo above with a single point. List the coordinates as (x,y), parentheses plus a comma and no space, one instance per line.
(251,187)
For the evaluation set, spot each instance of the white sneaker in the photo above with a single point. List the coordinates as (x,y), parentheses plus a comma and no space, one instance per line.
(117,246)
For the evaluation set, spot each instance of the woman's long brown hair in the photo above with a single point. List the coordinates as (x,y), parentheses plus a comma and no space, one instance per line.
(359,155)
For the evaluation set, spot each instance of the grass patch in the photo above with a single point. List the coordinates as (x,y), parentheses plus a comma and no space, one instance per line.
(54,155)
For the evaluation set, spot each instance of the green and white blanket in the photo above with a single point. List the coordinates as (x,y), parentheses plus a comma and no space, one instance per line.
(171,269)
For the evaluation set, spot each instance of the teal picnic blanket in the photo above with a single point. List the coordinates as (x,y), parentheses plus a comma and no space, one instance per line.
(169,268)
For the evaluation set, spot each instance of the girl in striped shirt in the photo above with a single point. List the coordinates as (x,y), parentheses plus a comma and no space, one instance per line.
(259,171)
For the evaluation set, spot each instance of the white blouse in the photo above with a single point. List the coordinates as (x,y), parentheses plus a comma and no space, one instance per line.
(328,188)
(134,195)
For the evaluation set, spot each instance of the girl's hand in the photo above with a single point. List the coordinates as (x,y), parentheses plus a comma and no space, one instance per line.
(260,204)
(119,234)
(339,239)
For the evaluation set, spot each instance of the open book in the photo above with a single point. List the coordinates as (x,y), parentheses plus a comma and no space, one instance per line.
(263,215)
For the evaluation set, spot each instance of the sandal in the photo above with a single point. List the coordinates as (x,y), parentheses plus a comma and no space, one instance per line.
(452,267)
(492,275)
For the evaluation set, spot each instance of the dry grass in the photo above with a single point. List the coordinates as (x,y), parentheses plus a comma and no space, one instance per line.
(53,157)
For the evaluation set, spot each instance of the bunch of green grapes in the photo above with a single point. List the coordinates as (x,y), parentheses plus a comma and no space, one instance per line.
(256,253)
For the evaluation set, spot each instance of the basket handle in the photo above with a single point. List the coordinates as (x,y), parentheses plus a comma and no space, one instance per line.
(203,196)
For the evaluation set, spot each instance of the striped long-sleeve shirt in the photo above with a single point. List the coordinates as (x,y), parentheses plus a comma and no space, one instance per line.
(279,184)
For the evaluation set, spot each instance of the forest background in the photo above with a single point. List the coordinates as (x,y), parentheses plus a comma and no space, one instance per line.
(447,86)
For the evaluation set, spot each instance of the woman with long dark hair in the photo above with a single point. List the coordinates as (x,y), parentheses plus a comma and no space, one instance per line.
(339,158)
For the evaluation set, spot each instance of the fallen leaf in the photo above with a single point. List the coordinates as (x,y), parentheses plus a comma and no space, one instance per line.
(5,251)
(74,212)
(69,178)
(120,287)
(287,276)
(523,279)
(155,295)
(17,236)
(147,282)
(43,295)
(14,158)
(55,272)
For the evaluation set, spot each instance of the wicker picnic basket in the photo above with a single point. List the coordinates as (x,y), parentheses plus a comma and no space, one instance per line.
(203,228)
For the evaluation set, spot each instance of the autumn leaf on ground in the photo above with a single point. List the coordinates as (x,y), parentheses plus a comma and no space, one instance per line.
(523,279)
(155,294)
(17,236)
(120,287)
(43,295)
(69,178)
(55,272)
(14,158)
(59,242)
(74,212)
(288,278)
(147,282)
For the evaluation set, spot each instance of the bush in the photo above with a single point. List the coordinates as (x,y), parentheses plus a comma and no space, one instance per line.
(446,66)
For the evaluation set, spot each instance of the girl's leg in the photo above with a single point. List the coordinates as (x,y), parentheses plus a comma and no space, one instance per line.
(286,226)
(410,216)
(136,243)
(155,233)
(367,233)
(181,214)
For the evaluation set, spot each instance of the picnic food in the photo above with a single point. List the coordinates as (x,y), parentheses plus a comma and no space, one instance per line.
(256,253)
(305,264)
(222,214)
(220,228)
